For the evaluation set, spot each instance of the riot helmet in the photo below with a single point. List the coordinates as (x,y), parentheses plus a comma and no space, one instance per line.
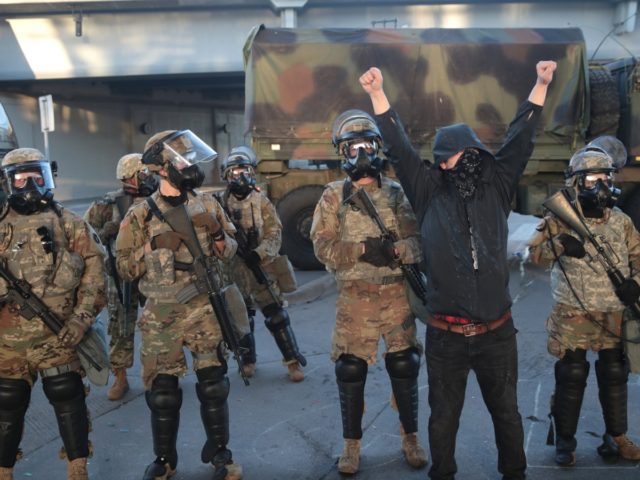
(357,138)
(238,170)
(27,180)
(179,153)
(591,172)
(611,146)
(136,178)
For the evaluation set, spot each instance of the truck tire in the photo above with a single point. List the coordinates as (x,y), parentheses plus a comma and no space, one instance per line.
(296,214)
(605,103)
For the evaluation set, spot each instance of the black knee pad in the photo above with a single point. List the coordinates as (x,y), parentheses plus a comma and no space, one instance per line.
(213,385)
(165,393)
(14,394)
(63,388)
(351,369)
(611,368)
(573,368)
(403,364)
(277,320)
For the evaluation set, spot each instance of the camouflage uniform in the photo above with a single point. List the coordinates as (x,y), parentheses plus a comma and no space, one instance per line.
(568,325)
(121,343)
(588,311)
(163,325)
(372,303)
(150,251)
(256,212)
(60,257)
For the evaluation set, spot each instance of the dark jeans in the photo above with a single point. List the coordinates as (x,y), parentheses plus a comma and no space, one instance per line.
(493,357)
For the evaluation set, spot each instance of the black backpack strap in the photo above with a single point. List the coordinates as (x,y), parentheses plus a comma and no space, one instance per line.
(153,210)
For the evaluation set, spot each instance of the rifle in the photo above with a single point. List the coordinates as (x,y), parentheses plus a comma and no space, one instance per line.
(92,350)
(247,242)
(207,281)
(560,205)
(123,203)
(411,273)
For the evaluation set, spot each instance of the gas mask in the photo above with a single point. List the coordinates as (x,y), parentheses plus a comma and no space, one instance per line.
(28,186)
(595,197)
(147,184)
(241,181)
(360,159)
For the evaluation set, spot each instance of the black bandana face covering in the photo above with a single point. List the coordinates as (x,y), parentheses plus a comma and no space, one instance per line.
(466,174)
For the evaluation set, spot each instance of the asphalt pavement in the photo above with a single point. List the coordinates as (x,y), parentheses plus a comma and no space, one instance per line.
(286,431)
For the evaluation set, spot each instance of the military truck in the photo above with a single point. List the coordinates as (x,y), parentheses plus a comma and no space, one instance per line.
(298,81)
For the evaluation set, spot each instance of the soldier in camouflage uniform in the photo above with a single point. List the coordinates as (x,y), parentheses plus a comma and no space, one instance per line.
(105,216)
(54,251)
(588,311)
(372,302)
(150,251)
(252,211)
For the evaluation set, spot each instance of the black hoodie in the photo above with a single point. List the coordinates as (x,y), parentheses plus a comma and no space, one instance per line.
(464,243)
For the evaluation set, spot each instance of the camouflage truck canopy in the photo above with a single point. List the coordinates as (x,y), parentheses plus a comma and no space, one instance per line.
(298,81)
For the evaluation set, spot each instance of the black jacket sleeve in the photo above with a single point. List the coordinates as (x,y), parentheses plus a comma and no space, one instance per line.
(414,174)
(516,150)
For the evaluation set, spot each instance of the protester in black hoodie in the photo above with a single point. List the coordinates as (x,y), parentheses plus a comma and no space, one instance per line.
(463,202)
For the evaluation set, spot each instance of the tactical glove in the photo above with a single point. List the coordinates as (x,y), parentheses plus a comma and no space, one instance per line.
(628,292)
(73,331)
(208,221)
(170,240)
(572,246)
(378,251)
(110,230)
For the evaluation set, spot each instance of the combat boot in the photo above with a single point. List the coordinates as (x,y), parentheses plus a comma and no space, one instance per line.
(77,469)
(120,386)
(350,459)
(249,369)
(295,372)
(414,454)
(161,469)
(232,471)
(618,447)
(6,473)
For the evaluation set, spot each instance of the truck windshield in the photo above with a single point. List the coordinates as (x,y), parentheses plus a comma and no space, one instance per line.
(8,140)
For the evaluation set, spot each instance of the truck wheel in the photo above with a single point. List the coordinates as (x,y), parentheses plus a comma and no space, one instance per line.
(632,208)
(296,214)
(605,103)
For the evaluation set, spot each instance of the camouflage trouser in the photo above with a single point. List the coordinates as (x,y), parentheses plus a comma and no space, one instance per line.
(253,292)
(168,327)
(121,343)
(364,313)
(29,348)
(570,328)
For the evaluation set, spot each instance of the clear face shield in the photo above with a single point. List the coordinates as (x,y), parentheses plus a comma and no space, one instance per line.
(27,177)
(184,149)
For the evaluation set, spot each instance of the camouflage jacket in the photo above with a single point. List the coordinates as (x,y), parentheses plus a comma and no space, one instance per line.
(338,230)
(256,210)
(106,210)
(64,264)
(159,279)
(586,275)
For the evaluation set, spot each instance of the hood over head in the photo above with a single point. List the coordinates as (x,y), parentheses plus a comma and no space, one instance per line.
(452,139)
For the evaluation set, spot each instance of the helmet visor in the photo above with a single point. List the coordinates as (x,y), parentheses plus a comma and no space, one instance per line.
(234,173)
(184,149)
(23,177)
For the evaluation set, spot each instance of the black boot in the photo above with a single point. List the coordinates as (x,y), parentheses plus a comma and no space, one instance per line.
(66,393)
(14,400)
(351,375)
(571,379)
(248,345)
(278,323)
(164,400)
(612,374)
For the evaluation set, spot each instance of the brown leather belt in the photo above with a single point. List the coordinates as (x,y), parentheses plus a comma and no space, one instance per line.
(469,329)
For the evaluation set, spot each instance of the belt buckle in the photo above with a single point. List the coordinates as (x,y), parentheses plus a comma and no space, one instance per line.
(470,329)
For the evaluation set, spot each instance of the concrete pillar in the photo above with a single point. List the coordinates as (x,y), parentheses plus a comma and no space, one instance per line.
(288,11)
(625,17)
